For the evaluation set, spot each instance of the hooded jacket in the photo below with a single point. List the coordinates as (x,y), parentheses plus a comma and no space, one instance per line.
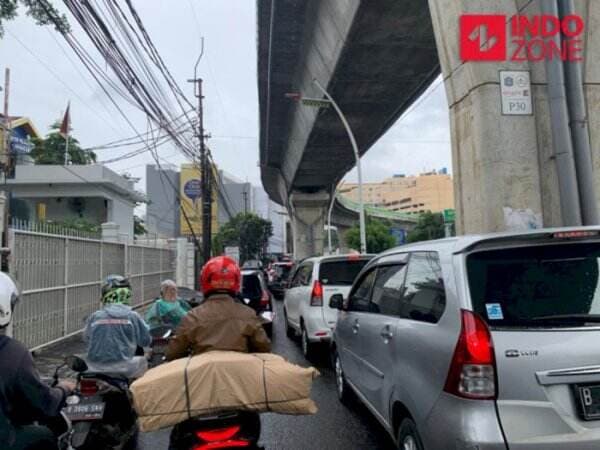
(113,334)
(23,396)
(220,323)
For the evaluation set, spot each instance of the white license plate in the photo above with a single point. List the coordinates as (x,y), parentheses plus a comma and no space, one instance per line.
(85,411)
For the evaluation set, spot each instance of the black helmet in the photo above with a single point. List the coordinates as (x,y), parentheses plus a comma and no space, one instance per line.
(116,289)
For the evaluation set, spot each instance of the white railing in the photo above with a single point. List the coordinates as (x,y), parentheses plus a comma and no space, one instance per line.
(60,278)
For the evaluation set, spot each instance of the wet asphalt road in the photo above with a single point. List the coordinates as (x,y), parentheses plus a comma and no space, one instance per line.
(335,426)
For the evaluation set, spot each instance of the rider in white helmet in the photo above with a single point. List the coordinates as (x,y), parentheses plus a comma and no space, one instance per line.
(24,398)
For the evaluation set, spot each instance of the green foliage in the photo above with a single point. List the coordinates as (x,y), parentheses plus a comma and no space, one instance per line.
(138,226)
(430,226)
(379,236)
(41,11)
(247,231)
(78,224)
(51,150)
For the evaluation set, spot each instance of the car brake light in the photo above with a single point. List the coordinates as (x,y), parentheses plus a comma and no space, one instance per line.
(316,297)
(88,387)
(264,299)
(220,438)
(574,234)
(472,371)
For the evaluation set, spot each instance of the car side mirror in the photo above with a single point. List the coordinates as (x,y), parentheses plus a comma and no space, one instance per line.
(76,364)
(336,301)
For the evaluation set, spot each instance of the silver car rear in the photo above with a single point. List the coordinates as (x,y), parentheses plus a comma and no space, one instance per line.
(494,341)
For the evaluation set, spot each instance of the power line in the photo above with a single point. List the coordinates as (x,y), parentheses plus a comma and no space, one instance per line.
(55,75)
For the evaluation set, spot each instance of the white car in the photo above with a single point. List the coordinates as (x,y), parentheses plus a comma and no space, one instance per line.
(306,303)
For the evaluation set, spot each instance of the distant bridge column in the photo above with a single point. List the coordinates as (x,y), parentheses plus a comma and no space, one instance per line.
(309,215)
(507,161)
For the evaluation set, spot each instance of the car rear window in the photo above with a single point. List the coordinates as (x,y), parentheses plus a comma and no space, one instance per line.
(340,272)
(537,286)
(282,271)
(251,287)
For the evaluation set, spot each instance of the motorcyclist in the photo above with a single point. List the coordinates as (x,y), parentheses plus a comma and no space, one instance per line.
(24,398)
(115,332)
(220,322)
(168,309)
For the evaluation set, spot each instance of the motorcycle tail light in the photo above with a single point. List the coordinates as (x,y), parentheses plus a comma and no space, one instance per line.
(88,387)
(220,438)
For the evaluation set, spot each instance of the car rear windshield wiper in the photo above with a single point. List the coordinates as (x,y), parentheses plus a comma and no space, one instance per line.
(579,318)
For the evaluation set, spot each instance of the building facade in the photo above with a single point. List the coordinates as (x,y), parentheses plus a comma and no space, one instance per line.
(50,193)
(432,191)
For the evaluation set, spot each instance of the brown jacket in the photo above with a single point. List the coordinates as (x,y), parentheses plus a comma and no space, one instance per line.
(220,323)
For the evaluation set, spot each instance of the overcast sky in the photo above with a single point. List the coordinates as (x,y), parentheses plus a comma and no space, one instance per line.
(46,75)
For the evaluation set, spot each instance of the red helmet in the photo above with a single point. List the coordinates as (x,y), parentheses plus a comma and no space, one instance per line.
(220,274)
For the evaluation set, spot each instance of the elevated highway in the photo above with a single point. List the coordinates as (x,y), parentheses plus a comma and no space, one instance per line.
(374,57)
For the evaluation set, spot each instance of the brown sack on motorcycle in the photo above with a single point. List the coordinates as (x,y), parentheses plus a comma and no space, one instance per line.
(221,381)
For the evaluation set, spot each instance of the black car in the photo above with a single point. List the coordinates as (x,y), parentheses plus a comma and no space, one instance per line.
(256,295)
(279,274)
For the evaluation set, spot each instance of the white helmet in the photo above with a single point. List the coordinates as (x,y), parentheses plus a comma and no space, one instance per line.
(9,295)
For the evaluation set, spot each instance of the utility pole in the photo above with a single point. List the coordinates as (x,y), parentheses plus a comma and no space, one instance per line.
(205,177)
(245,196)
(5,165)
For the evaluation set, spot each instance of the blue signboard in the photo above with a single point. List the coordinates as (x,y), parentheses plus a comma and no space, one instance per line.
(19,142)
(400,235)
(193,189)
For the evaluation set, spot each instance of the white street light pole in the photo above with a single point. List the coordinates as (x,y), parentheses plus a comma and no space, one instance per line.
(361,212)
(329,220)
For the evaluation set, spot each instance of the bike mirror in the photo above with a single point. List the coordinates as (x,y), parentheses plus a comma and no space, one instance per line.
(76,364)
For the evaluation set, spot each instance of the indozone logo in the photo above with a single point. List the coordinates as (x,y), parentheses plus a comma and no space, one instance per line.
(485,37)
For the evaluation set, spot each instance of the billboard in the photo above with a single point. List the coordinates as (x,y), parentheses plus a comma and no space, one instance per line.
(190,192)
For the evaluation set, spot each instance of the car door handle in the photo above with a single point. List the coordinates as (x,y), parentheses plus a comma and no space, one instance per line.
(386,333)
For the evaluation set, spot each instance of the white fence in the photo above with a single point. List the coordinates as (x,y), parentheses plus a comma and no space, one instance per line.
(61,277)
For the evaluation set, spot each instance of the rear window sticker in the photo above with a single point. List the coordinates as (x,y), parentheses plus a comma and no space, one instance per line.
(494,311)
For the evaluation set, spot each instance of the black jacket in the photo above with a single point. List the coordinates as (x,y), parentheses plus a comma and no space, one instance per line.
(24,398)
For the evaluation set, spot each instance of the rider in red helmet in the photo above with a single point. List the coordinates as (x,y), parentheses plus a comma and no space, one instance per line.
(220,322)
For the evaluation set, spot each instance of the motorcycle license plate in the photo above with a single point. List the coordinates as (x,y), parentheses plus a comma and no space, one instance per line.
(92,410)
(589,401)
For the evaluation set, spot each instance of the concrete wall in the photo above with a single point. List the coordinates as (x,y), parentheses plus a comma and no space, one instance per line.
(59,209)
(505,161)
(162,211)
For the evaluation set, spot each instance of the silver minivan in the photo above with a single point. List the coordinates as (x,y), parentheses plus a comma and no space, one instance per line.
(478,342)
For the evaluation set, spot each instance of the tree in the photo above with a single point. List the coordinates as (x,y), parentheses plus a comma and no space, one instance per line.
(379,236)
(247,231)
(41,11)
(139,228)
(429,226)
(51,149)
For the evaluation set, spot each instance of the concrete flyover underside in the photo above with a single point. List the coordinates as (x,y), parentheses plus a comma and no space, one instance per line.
(374,57)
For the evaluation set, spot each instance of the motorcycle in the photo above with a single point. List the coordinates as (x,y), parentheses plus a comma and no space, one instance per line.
(100,410)
(236,429)
(161,336)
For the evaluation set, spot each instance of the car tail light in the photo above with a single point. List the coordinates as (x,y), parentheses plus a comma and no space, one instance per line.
(264,299)
(316,297)
(221,438)
(472,372)
(88,387)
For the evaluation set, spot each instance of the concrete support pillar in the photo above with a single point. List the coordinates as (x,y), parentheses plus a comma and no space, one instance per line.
(309,213)
(110,232)
(504,161)
(181,265)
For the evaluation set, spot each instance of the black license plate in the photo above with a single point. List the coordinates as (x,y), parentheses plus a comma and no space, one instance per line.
(85,411)
(588,397)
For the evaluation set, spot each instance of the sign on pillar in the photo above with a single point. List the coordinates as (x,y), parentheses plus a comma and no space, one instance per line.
(515,91)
